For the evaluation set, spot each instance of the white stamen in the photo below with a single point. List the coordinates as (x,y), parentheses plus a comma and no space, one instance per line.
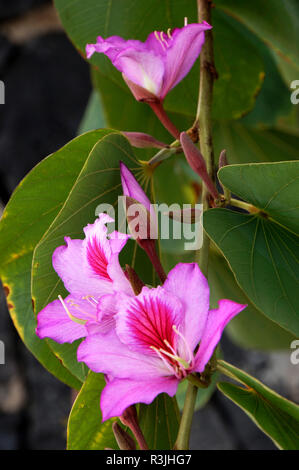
(169,33)
(169,367)
(190,354)
(169,346)
(159,39)
(176,358)
(91,300)
(185,21)
(163,38)
(75,319)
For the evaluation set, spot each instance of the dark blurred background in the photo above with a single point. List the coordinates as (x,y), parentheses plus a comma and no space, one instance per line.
(47,86)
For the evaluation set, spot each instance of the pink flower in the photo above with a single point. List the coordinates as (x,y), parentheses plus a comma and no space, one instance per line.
(152,68)
(152,346)
(91,272)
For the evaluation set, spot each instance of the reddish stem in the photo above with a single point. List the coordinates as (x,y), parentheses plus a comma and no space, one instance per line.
(157,107)
(149,247)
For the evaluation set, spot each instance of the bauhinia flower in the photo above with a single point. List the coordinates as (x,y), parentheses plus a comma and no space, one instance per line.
(153,345)
(152,68)
(91,272)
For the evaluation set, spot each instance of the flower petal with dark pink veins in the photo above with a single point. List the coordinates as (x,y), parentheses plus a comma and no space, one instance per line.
(187,282)
(146,321)
(83,264)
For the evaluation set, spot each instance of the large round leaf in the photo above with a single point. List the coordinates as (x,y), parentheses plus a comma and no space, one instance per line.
(262,248)
(275,22)
(85,430)
(249,329)
(245,144)
(273,414)
(32,208)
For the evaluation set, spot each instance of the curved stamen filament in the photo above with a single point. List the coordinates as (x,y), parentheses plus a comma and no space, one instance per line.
(163,38)
(159,39)
(75,319)
(169,33)
(91,300)
(169,367)
(176,358)
(190,354)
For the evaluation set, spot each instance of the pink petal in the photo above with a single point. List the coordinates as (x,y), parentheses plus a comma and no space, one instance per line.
(118,241)
(97,249)
(188,283)
(217,320)
(144,68)
(107,354)
(121,393)
(142,140)
(132,188)
(53,321)
(183,50)
(147,320)
(112,46)
(120,282)
(70,264)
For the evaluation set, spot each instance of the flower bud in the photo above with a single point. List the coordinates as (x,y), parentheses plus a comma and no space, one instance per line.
(197,162)
(124,441)
(141,140)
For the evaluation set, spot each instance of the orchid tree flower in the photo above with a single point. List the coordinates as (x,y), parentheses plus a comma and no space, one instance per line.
(91,272)
(153,345)
(152,68)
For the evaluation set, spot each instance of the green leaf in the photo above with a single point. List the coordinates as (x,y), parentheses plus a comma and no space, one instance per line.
(159,422)
(248,145)
(249,329)
(93,117)
(273,414)
(32,208)
(203,394)
(240,76)
(98,182)
(85,429)
(275,22)
(262,248)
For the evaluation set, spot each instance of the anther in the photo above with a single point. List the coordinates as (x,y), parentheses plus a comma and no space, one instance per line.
(159,39)
(169,33)
(163,38)
(75,319)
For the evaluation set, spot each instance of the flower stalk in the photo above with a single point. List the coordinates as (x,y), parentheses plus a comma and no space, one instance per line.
(159,110)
